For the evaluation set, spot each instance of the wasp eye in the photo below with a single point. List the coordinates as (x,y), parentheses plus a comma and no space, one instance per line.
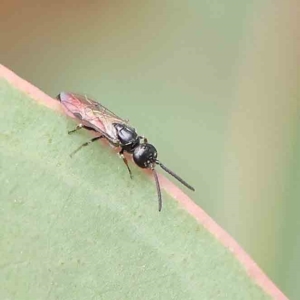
(145,155)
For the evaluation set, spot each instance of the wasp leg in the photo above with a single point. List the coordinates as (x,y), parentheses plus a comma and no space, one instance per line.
(78,127)
(145,140)
(125,162)
(87,143)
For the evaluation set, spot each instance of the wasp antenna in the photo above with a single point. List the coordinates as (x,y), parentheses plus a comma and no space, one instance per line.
(175,175)
(158,190)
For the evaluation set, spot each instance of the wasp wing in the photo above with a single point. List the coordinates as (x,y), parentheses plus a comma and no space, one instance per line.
(92,114)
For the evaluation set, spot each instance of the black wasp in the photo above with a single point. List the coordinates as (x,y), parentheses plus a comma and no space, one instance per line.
(94,116)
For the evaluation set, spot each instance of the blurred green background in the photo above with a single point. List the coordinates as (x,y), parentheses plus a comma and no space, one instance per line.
(213,84)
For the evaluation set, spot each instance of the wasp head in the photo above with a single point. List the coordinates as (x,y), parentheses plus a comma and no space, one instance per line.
(145,155)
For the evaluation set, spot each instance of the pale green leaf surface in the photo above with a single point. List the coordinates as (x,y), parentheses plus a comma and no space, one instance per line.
(80,228)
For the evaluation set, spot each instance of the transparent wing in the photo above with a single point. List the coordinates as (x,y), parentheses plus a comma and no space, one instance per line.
(100,110)
(92,113)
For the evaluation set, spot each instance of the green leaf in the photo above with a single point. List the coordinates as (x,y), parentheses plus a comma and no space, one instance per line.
(80,228)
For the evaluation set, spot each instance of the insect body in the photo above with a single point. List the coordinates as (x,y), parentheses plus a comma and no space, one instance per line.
(94,116)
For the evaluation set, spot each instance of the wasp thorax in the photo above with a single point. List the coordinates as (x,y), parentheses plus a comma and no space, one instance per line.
(127,136)
(145,155)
